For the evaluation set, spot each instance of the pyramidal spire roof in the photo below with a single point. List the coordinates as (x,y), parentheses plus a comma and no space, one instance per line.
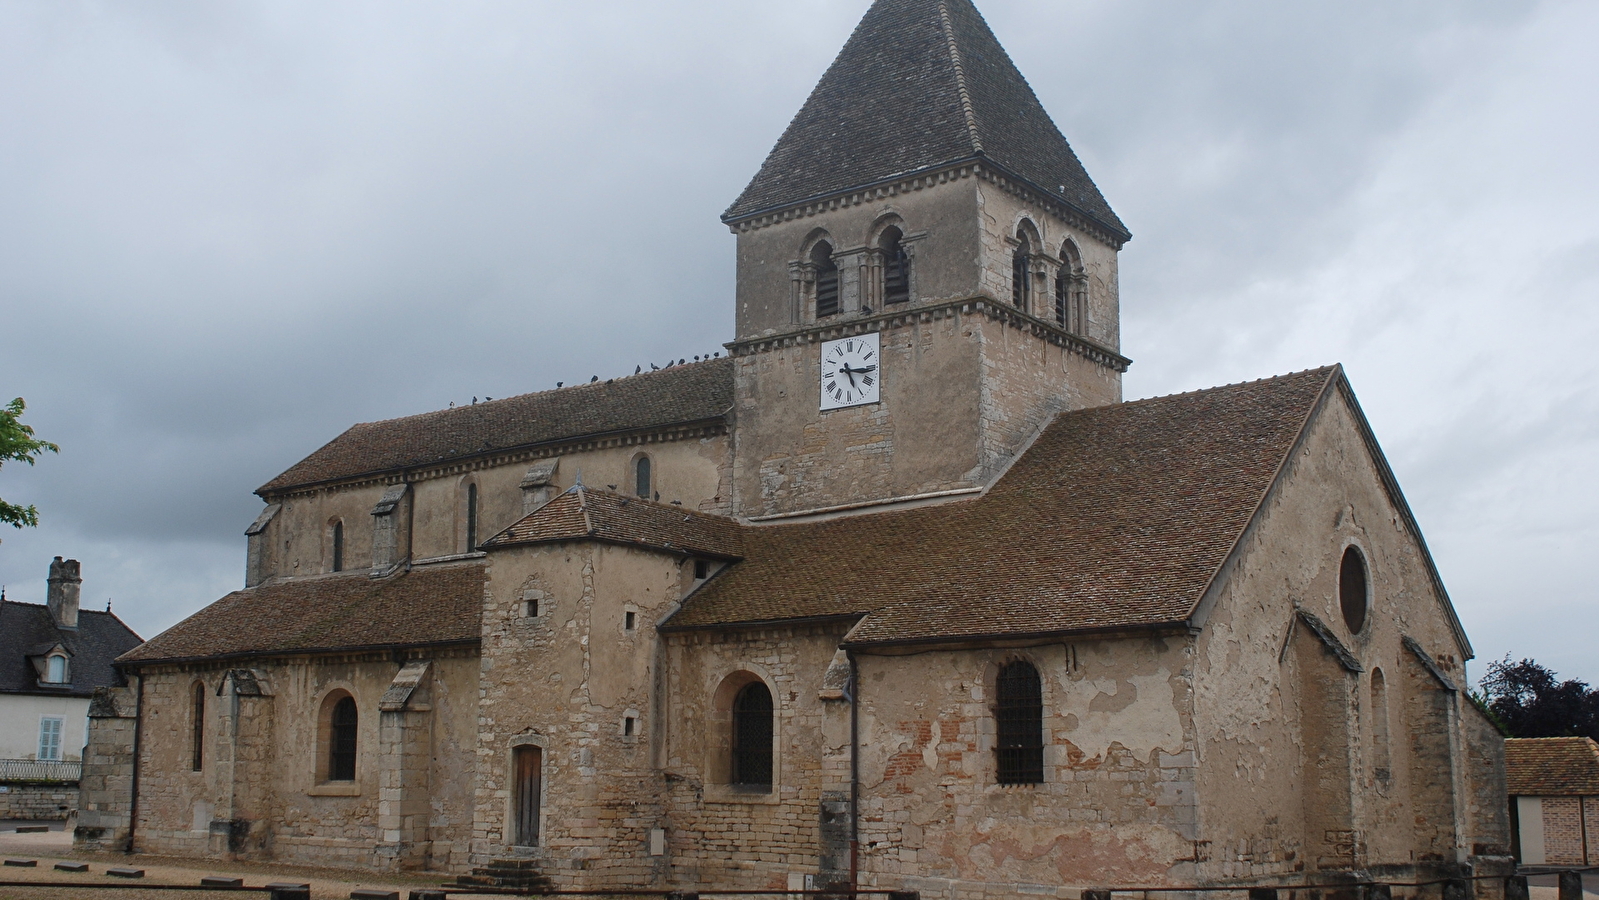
(920,84)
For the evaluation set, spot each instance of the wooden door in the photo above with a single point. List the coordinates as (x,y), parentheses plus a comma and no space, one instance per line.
(527,764)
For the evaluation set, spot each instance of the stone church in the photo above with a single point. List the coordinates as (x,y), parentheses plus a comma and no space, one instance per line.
(899,592)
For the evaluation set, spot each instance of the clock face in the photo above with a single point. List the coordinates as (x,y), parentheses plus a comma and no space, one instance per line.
(851,371)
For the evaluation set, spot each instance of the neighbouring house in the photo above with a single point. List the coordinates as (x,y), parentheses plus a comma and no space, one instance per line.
(1554,799)
(52,658)
(900,592)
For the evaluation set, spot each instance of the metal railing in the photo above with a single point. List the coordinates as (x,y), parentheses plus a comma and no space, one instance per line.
(43,771)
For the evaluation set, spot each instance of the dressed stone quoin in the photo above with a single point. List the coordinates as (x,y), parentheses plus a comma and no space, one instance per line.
(899,592)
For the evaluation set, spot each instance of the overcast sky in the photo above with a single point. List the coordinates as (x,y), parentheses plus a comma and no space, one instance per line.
(229,230)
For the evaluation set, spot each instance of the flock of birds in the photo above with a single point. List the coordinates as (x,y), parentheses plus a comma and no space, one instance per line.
(637,370)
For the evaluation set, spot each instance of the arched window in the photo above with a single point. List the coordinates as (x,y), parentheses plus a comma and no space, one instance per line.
(896,266)
(752,737)
(55,669)
(1019,724)
(641,477)
(342,725)
(826,279)
(1021,272)
(197,727)
(1352,589)
(1068,314)
(1381,763)
(338,546)
(471,517)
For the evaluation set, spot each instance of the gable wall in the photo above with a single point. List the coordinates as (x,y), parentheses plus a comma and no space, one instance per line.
(1117,803)
(564,681)
(1263,713)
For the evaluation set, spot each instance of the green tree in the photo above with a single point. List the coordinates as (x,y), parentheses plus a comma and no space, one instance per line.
(18,443)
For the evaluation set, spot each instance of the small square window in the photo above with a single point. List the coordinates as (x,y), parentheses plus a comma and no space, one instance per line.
(629,726)
(702,569)
(532,608)
(629,620)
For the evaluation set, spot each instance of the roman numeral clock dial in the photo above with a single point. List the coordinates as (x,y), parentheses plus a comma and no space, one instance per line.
(851,371)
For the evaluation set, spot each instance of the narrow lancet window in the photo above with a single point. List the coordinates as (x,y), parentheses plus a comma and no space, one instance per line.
(197,727)
(1063,296)
(471,517)
(752,737)
(826,279)
(1019,724)
(341,740)
(338,546)
(641,477)
(896,267)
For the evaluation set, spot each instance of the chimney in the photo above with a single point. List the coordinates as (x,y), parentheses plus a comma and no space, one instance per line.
(63,594)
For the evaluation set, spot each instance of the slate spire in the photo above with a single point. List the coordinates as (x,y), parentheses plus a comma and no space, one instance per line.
(919,85)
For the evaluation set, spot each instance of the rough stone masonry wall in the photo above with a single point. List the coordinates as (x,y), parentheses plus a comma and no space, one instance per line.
(724,837)
(1116,806)
(1025,381)
(268,779)
(22,800)
(566,680)
(106,785)
(1250,690)
(922,437)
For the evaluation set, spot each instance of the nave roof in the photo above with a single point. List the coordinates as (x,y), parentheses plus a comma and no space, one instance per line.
(693,392)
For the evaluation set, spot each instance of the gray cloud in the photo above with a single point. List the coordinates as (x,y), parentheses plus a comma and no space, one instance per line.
(227,231)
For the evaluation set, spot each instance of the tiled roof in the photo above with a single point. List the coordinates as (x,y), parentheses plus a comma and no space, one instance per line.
(920,84)
(427,605)
(27,629)
(584,513)
(688,393)
(1116,517)
(1552,767)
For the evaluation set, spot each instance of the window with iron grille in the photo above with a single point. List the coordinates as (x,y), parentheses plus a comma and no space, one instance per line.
(341,741)
(1019,724)
(826,279)
(752,737)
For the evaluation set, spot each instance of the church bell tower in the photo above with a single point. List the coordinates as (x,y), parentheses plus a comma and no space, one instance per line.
(926,274)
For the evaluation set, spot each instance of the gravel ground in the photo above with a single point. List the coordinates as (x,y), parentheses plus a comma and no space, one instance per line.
(56,846)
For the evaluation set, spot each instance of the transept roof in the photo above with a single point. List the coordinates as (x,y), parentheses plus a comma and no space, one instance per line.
(1116,517)
(921,84)
(585,513)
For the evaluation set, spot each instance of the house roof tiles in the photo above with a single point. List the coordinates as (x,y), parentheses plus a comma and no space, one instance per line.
(1552,767)
(439,604)
(27,629)
(1116,517)
(681,394)
(934,68)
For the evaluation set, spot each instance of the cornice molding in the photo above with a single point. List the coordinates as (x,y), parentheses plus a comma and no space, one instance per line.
(972,167)
(914,315)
